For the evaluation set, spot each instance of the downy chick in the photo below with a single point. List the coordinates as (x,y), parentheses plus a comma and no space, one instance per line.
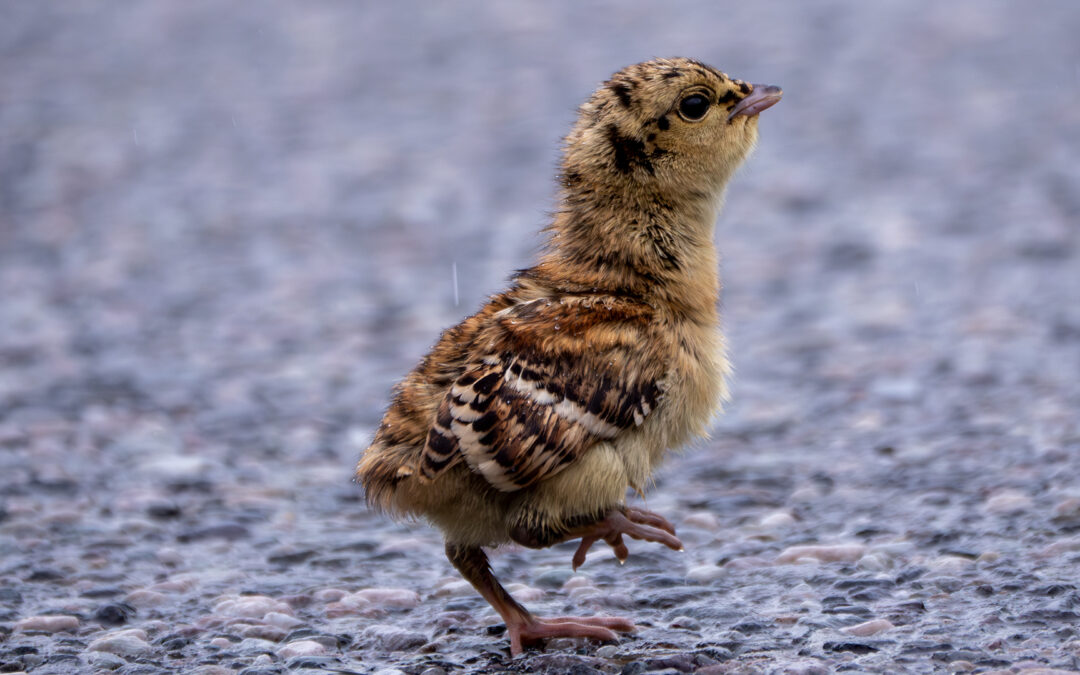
(529,420)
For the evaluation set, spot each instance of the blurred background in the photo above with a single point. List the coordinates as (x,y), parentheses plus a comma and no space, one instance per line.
(226,230)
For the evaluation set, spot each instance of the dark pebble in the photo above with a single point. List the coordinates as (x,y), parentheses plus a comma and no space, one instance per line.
(750,627)
(174,642)
(633,668)
(1052,590)
(853,647)
(313,663)
(681,663)
(288,559)
(910,574)
(106,592)
(925,647)
(959,655)
(45,574)
(163,510)
(114,614)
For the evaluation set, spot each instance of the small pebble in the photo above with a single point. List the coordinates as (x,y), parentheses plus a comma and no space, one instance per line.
(105,661)
(49,623)
(389,597)
(704,573)
(950,564)
(1068,509)
(302,648)
(523,593)
(1008,502)
(265,632)
(746,563)
(706,520)
(145,598)
(822,553)
(255,606)
(330,594)
(872,627)
(280,620)
(777,520)
(454,589)
(130,642)
(392,638)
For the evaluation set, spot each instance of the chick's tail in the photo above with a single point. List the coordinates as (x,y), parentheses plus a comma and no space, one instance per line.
(383,471)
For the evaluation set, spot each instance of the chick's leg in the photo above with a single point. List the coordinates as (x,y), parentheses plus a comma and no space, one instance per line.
(521,625)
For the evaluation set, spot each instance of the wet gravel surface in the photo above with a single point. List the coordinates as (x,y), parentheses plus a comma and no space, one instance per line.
(226,230)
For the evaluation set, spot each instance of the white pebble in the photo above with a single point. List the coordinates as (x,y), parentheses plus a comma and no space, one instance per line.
(169,556)
(1068,509)
(523,593)
(750,562)
(1008,501)
(777,520)
(834,553)
(302,648)
(253,606)
(874,562)
(704,573)
(49,623)
(706,520)
(577,581)
(866,628)
(389,597)
(581,592)
(145,598)
(282,620)
(330,594)
(455,589)
(948,564)
(1059,547)
(129,642)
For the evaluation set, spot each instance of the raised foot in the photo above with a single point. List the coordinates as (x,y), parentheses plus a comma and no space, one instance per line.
(633,522)
(594,627)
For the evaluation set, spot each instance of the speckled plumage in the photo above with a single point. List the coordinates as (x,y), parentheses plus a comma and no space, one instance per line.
(529,420)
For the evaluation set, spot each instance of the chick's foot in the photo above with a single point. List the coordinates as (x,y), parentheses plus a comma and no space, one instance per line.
(633,522)
(530,629)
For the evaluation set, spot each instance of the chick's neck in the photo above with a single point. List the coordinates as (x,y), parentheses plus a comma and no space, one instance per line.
(633,240)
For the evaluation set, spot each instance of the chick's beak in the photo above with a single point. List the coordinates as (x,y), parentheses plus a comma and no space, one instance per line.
(762,96)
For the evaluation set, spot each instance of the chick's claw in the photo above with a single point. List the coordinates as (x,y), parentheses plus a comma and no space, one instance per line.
(635,523)
(649,518)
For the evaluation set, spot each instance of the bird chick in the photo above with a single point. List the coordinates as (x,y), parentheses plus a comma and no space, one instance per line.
(528,421)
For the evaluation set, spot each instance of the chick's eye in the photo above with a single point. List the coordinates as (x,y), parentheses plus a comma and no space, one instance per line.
(694,107)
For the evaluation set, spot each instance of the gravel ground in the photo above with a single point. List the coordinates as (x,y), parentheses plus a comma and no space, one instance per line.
(227,229)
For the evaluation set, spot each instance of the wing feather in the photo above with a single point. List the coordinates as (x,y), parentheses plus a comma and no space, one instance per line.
(554,379)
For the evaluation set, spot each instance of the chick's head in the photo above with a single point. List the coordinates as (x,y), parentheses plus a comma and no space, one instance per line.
(674,126)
